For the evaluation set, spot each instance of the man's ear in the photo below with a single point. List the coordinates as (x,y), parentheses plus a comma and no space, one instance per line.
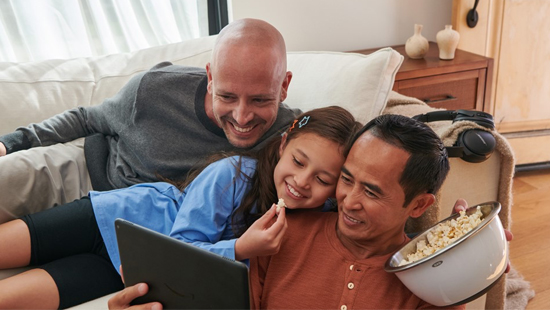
(209,76)
(284,86)
(283,144)
(420,204)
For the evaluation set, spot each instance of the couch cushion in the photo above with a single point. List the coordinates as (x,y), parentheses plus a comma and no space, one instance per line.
(357,82)
(33,91)
(113,71)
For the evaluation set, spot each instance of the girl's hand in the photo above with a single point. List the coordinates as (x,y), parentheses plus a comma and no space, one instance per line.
(263,237)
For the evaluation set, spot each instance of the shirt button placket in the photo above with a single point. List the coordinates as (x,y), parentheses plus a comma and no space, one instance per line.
(349,296)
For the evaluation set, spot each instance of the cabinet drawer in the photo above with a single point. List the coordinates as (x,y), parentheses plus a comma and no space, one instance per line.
(452,91)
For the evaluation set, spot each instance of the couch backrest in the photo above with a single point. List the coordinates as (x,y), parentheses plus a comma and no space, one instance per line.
(33,91)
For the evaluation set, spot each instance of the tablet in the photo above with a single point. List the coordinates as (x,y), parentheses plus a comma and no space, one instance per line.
(180,275)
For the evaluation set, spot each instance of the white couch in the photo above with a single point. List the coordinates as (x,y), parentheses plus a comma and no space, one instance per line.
(31,92)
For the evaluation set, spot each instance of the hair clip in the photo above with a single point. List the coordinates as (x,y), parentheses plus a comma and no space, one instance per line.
(293,124)
(303,122)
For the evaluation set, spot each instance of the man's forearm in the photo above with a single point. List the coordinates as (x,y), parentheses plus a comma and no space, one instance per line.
(13,142)
(64,127)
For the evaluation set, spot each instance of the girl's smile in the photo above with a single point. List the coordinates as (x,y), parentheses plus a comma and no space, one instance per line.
(308,170)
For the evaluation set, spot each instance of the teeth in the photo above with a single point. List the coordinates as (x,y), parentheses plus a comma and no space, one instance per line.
(243,129)
(352,219)
(293,191)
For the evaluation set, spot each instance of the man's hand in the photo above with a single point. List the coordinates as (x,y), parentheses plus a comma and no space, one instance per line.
(461,205)
(122,299)
(3,150)
(264,237)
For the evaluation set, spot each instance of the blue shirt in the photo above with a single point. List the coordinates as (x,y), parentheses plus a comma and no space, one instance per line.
(201,215)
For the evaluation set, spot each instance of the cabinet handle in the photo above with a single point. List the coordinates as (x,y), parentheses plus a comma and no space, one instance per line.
(446,98)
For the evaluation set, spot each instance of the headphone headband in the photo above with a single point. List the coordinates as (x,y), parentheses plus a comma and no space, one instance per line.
(436,116)
(478,117)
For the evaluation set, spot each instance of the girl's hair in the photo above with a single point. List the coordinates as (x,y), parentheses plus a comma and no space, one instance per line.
(333,123)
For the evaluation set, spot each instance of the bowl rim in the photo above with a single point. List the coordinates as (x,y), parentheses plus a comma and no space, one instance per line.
(495,209)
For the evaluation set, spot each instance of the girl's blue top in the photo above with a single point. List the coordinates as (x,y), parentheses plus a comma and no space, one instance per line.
(201,215)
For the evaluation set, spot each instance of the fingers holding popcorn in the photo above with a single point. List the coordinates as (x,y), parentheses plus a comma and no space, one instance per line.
(280,204)
(263,237)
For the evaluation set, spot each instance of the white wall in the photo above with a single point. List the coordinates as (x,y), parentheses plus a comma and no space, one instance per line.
(344,25)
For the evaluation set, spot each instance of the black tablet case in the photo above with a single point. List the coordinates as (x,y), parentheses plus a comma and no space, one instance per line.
(180,275)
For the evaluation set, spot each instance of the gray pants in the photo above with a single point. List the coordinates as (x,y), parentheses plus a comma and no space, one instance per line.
(42,177)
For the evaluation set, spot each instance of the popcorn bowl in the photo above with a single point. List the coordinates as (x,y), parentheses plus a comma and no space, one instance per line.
(463,270)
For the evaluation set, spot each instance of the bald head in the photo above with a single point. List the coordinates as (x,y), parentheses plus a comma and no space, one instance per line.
(251,37)
(251,31)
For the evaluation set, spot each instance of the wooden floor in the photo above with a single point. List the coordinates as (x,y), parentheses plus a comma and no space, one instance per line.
(530,248)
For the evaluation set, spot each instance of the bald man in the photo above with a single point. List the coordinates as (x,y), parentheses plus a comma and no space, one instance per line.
(159,124)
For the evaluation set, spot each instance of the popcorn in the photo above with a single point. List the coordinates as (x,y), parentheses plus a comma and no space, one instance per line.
(444,234)
(280,204)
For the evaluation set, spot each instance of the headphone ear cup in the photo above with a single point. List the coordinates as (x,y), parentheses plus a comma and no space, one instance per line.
(477,145)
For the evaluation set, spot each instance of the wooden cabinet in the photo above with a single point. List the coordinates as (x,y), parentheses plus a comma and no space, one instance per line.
(462,83)
(515,34)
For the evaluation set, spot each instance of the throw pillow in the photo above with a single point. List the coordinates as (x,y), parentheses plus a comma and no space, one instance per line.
(357,82)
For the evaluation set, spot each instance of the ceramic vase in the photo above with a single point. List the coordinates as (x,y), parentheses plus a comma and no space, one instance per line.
(447,41)
(417,46)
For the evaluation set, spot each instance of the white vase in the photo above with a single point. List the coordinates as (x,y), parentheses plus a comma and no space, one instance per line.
(447,41)
(417,46)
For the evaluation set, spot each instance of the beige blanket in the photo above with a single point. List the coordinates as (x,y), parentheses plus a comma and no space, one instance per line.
(512,291)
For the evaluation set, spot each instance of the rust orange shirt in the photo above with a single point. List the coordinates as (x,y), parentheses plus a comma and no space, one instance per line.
(313,270)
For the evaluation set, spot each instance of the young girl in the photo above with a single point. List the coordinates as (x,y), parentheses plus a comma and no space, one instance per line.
(75,244)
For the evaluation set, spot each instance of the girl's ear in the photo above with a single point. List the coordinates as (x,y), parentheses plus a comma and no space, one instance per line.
(420,204)
(283,144)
